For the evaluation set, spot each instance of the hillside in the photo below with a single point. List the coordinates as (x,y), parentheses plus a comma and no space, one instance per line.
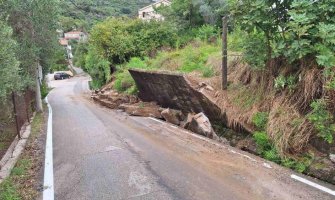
(82,14)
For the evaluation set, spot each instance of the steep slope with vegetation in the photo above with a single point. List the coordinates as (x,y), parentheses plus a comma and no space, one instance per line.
(281,68)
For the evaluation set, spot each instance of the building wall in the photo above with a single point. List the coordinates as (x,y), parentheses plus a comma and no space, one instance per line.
(76,36)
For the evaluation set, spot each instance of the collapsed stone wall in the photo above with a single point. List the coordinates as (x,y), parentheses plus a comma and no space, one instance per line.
(172,90)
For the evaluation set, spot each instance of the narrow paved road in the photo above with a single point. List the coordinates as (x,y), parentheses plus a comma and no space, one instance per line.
(105,154)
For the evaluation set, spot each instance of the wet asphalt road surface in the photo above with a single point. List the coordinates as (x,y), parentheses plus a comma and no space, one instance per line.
(104,154)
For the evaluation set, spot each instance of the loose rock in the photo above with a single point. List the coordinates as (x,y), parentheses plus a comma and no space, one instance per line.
(332,157)
(143,109)
(172,116)
(323,169)
(247,144)
(200,124)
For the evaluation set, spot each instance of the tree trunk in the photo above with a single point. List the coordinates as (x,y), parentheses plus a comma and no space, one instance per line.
(39,107)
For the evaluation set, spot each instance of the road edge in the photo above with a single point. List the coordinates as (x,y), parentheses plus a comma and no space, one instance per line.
(265,164)
(48,183)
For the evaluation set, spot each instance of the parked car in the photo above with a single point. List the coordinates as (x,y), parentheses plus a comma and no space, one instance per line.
(61,76)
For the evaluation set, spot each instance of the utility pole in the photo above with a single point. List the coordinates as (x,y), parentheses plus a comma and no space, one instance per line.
(224,53)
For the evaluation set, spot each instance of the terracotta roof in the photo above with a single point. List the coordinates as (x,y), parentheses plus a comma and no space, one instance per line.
(63,42)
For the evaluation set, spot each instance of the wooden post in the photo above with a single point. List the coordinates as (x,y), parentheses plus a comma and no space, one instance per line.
(15,114)
(224,53)
(39,106)
(25,104)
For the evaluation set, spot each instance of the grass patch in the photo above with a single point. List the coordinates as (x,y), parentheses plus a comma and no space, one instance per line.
(37,125)
(21,184)
(267,149)
(191,58)
(243,98)
(8,190)
(260,119)
(123,80)
(21,167)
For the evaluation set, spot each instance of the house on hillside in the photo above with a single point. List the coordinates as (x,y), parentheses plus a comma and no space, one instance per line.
(148,13)
(63,42)
(75,35)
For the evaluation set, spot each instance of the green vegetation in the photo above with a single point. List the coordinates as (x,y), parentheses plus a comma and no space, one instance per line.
(300,164)
(293,30)
(322,120)
(281,82)
(44,89)
(59,62)
(80,54)
(188,59)
(188,13)
(123,80)
(8,191)
(98,68)
(267,149)
(115,41)
(27,37)
(191,58)
(260,119)
(21,182)
(83,14)
(9,70)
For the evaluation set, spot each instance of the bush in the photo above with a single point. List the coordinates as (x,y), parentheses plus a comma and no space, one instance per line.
(208,72)
(255,50)
(98,68)
(265,147)
(260,120)
(59,60)
(322,120)
(298,164)
(236,40)
(138,63)
(123,80)
(206,32)
(119,39)
(80,54)
(44,90)
(281,82)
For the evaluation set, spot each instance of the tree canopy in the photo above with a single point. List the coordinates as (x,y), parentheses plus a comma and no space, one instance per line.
(29,37)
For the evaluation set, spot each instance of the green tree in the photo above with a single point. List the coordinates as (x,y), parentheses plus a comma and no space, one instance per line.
(9,71)
(34,25)
(119,39)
